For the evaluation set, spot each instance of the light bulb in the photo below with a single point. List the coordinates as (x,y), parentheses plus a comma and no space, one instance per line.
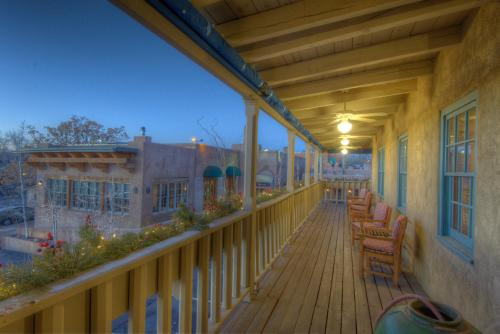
(345,126)
(344,141)
(343,151)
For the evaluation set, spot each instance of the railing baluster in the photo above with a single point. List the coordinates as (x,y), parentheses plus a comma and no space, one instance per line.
(164,301)
(186,296)
(102,308)
(228,267)
(203,263)
(216,275)
(239,257)
(137,300)
(50,320)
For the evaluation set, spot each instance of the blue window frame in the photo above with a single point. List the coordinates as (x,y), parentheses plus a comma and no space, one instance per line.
(457,176)
(380,171)
(402,171)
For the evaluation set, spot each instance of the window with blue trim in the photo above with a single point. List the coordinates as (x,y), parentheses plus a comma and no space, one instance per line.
(380,171)
(458,178)
(402,171)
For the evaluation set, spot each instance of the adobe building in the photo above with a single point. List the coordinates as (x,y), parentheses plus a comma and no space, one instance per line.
(124,187)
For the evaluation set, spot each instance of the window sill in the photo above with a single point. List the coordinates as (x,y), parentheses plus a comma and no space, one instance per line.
(457,248)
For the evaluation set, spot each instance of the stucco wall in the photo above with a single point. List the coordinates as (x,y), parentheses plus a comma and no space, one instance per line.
(474,65)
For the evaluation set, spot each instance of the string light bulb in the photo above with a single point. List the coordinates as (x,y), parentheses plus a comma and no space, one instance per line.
(344,141)
(344,151)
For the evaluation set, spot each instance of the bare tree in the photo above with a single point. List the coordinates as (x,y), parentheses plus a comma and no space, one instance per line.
(17,139)
(220,146)
(77,130)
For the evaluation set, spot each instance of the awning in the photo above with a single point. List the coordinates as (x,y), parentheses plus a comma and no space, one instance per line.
(212,171)
(233,171)
(262,178)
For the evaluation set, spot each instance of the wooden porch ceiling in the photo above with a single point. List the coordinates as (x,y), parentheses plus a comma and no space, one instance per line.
(319,54)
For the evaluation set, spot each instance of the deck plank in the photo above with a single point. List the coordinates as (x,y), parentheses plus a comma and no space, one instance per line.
(315,285)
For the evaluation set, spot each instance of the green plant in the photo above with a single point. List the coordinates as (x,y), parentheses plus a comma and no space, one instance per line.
(93,249)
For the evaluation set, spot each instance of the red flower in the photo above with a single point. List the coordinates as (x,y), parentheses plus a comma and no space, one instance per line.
(50,236)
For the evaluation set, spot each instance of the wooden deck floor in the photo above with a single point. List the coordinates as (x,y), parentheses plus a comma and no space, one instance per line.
(315,286)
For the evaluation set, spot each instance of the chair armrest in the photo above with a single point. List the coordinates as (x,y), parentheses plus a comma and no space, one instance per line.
(377,232)
(360,215)
(363,221)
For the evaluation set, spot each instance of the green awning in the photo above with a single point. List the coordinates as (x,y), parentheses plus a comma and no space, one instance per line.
(262,178)
(233,171)
(212,171)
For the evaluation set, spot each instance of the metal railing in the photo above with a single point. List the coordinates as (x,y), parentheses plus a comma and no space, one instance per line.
(230,255)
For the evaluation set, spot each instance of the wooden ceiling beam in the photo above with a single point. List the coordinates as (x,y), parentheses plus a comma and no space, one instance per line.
(405,15)
(356,94)
(358,107)
(298,16)
(203,3)
(381,75)
(404,48)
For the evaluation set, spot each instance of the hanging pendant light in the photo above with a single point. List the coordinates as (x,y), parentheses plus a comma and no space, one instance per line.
(344,151)
(344,126)
(344,141)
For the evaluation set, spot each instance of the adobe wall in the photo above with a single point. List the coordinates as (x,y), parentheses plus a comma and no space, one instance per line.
(474,289)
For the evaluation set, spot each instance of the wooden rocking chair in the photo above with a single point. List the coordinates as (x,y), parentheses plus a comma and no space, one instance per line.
(383,246)
(380,218)
(360,208)
(361,196)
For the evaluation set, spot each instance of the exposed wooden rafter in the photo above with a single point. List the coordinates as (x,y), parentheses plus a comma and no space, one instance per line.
(377,76)
(299,16)
(421,11)
(364,106)
(363,93)
(422,44)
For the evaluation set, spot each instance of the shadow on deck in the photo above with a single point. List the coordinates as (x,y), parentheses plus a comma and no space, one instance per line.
(315,286)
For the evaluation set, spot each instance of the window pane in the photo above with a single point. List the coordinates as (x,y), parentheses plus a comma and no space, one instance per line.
(472,124)
(461,127)
(450,163)
(454,216)
(464,228)
(470,156)
(455,188)
(466,190)
(451,130)
(460,158)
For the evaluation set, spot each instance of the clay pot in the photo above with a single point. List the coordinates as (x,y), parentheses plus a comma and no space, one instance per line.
(415,317)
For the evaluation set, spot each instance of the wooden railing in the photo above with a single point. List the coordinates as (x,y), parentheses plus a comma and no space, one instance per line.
(338,190)
(226,259)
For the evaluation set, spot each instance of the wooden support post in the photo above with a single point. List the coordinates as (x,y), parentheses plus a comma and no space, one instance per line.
(137,300)
(186,297)
(290,171)
(307,175)
(250,191)
(164,301)
(321,166)
(315,166)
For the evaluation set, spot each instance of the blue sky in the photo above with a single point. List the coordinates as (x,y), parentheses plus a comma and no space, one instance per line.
(63,58)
